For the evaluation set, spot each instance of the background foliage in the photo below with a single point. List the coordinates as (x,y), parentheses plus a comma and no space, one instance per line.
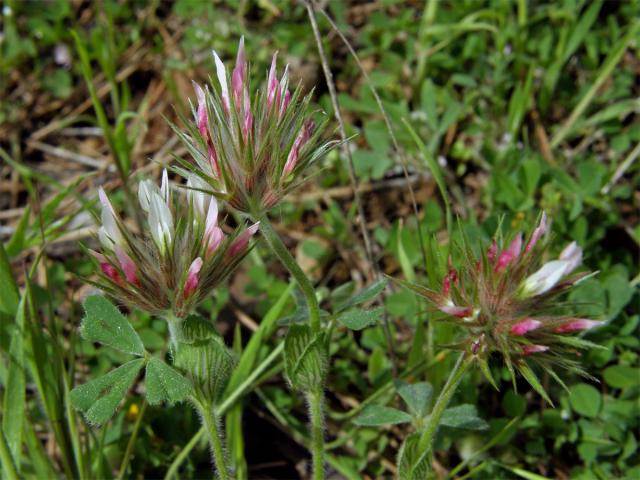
(524,105)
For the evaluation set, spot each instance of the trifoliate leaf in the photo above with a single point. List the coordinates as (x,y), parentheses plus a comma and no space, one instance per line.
(367,293)
(165,383)
(103,323)
(357,319)
(417,396)
(99,398)
(374,415)
(463,416)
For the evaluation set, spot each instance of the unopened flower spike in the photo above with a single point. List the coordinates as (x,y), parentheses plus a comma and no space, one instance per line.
(507,303)
(251,151)
(177,260)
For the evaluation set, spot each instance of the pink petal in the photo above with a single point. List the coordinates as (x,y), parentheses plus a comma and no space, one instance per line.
(492,251)
(191,283)
(529,349)
(449,279)
(510,254)
(238,77)
(298,144)
(577,325)
(214,238)
(272,82)
(240,244)
(540,230)
(127,265)
(203,120)
(106,268)
(525,326)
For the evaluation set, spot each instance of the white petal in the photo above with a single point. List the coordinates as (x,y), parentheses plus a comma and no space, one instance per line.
(221,73)
(546,278)
(144,193)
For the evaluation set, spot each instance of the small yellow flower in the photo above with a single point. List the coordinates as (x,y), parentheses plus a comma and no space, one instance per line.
(133,412)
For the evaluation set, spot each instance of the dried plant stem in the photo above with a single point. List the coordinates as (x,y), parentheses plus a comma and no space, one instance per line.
(458,371)
(387,122)
(343,133)
(281,251)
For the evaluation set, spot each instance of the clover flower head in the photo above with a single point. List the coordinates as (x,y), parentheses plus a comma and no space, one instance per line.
(251,152)
(178,259)
(507,303)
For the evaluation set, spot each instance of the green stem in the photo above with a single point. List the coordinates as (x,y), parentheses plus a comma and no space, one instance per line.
(458,371)
(281,251)
(316,415)
(212,426)
(132,441)
(175,329)
(7,460)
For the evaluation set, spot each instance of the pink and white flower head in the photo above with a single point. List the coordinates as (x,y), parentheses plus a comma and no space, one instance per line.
(507,303)
(251,151)
(178,259)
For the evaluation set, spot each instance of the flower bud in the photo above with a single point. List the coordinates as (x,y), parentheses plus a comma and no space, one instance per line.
(525,326)
(577,325)
(127,265)
(191,284)
(241,243)
(510,254)
(530,349)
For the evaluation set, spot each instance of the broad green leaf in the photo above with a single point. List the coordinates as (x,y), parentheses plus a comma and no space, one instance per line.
(463,416)
(14,390)
(417,396)
(620,376)
(103,323)
(305,358)
(374,415)
(585,400)
(357,319)
(99,398)
(165,383)
(364,295)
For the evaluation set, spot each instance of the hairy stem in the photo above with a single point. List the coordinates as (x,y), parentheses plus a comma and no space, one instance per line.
(316,415)
(458,371)
(281,251)
(212,426)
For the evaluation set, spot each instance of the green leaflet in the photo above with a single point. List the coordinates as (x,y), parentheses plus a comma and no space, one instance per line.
(357,319)
(103,323)
(165,383)
(99,398)
(417,396)
(374,415)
